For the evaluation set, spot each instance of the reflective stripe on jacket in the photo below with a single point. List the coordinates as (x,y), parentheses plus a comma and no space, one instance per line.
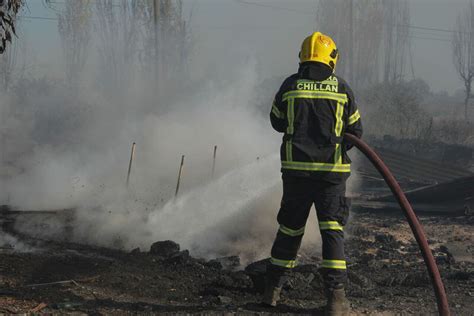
(314,115)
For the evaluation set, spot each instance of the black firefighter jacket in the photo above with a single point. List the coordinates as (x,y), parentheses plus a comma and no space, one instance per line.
(314,108)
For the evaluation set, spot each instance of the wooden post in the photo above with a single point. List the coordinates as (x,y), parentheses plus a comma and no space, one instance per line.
(132,155)
(179,176)
(214,161)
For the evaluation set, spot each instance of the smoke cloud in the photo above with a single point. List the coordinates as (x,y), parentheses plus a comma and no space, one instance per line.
(74,154)
(68,147)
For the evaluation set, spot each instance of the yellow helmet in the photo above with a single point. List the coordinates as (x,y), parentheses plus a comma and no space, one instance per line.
(319,48)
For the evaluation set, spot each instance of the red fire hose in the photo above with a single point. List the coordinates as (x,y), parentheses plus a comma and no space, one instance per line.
(443,307)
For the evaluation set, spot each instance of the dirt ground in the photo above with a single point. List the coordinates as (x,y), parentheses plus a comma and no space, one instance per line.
(386,273)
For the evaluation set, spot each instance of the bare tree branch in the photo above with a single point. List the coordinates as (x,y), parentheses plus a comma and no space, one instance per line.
(462,46)
(74,31)
(8,12)
(387,46)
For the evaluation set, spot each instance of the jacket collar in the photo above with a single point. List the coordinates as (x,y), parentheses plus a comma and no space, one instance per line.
(314,71)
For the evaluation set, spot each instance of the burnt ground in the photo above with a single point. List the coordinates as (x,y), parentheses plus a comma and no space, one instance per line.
(386,272)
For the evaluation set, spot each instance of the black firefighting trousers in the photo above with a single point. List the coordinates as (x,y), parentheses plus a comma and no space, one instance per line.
(332,208)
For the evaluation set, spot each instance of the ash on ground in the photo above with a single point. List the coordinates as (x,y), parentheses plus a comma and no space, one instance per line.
(386,275)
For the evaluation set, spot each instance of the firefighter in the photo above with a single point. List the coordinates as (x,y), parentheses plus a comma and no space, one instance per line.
(313,109)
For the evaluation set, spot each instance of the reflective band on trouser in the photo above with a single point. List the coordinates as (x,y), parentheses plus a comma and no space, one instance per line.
(292,232)
(315,166)
(277,112)
(330,225)
(304,94)
(283,263)
(334,264)
(354,117)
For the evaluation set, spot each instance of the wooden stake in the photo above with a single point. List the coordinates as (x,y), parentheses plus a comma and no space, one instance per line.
(132,155)
(179,176)
(214,161)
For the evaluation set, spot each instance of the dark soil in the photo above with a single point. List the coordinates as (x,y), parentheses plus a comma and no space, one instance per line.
(386,272)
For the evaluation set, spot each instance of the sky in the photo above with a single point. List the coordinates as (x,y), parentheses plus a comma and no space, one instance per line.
(269,31)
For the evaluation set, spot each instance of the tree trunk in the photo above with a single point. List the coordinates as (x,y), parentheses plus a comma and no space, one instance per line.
(466,99)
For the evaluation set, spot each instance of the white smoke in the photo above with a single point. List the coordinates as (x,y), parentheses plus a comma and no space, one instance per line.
(234,213)
(62,150)
(11,243)
(89,172)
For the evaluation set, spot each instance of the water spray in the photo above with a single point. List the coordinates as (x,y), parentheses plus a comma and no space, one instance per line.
(417,229)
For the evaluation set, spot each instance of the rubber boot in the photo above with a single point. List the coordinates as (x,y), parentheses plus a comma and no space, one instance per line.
(337,304)
(271,296)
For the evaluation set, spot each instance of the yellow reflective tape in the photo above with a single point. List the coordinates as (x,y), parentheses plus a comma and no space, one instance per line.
(339,114)
(315,95)
(338,155)
(277,112)
(334,264)
(283,263)
(291,115)
(289,151)
(330,225)
(338,131)
(315,166)
(340,97)
(354,117)
(292,232)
